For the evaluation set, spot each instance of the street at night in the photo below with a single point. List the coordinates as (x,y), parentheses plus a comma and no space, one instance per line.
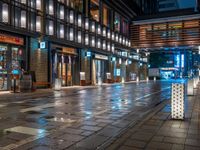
(81,118)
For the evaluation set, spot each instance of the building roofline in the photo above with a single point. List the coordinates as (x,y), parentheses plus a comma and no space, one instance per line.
(167,19)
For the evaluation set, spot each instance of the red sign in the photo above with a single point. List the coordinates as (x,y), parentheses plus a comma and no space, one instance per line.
(11,39)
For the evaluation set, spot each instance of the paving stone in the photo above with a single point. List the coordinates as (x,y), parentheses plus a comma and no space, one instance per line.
(109,131)
(158,138)
(91,128)
(174,140)
(92,142)
(159,145)
(192,142)
(128,148)
(135,143)
(177,147)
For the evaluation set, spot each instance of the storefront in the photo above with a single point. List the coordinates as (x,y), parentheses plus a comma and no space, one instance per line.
(64,62)
(99,69)
(12,59)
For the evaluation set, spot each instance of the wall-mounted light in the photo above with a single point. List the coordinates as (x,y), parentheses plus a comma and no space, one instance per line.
(38,23)
(5,13)
(38,4)
(124,42)
(86,39)
(61,31)
(113,48)
(120,39)
(120,61)
(99,43)
(108,46)
(93,26)
(51,7)
(79,37)
(93,41)
(104,45)
(116,37)
(71,16)
(23,19)
(108,34)
(113,36)
(104,31)
(79,20)
(71,34)
(99,29)
(62,12)
(51,27)
(86,23)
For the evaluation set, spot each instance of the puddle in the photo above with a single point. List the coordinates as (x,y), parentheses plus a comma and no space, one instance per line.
(34,112)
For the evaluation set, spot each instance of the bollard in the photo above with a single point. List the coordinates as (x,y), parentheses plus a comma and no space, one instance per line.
(190,87)
(177,101)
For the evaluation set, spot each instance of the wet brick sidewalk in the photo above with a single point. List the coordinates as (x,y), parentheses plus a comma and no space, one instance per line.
(159,131)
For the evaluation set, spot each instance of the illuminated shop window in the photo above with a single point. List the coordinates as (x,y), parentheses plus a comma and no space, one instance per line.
(23,19)
(38,24)
(106,15)
(117,22)
(94,9)
(5,13)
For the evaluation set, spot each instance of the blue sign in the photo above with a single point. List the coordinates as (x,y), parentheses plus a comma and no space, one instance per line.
(42,45)
(88,54)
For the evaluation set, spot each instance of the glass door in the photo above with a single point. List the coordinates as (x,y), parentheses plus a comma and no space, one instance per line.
(3,68)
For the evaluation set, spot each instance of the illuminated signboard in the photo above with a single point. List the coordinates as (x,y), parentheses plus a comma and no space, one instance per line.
(11,39)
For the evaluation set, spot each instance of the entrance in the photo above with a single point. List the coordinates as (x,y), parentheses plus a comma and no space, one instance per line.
(11,64)
(98,71)
(63,68)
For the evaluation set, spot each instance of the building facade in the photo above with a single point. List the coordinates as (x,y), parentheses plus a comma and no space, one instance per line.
(80,42)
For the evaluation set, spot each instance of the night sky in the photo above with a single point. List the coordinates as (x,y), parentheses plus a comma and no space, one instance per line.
(186,3)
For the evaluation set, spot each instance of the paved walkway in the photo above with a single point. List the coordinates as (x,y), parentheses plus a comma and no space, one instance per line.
(159,131)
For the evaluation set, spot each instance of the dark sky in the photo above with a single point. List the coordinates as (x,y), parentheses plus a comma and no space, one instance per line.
(186,3)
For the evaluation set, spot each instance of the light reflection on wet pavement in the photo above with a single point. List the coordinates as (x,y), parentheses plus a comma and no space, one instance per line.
(76,119)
